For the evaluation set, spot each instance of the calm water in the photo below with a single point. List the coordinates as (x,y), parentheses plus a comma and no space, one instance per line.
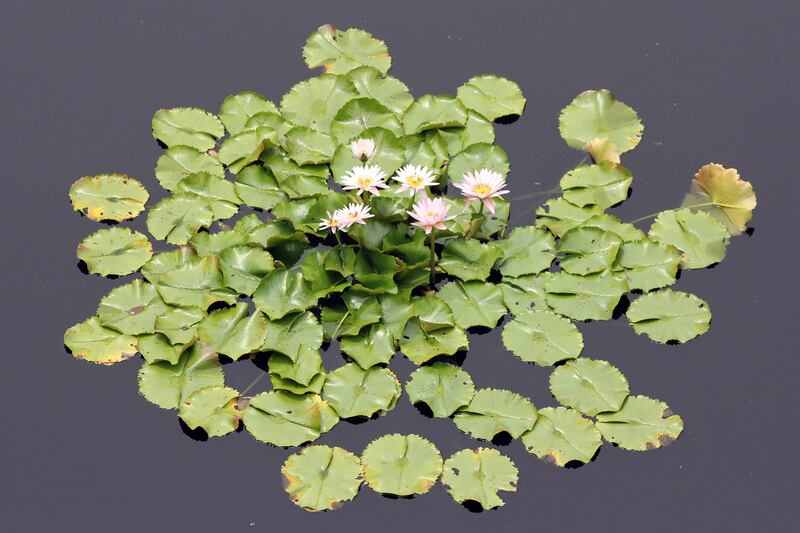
(81,451)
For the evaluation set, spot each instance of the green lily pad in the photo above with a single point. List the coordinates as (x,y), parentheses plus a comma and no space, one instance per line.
(421,346)
(561,435)
(474,303)
(603,185)
(469,259)
(433,111)
(176,219)
(362,114)
(215,409)
(648,265)
(233,332)
(243,267)
(238,151)
(92,342)
(282,292)
(493,411)
(560,216)
(257,187)
(220,193)
(289,334)
(591,386)
(542,337)
(132,308)
(188,280)
(591,297)
(588,250)
(285,419)
(300,373)
(627,232)
(237,109)
(478,475)
(354,392)
(108,197)
(178,162)
(668,315)
(166,385)
(443,387)
(492,96)
(476,157)
(156,347)
(525,293)
(389,91)
(401,465)
(309,147)
(598,115)
(315,102)
(187,126)
(476,130)
(339,52)
(641,424)
(527,250)
(321,478)
(700,237)
(360,310)
(373,346)
(179,324)
(115,251)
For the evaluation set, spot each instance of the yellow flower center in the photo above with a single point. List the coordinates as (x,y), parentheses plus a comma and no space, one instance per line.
(414,180)
(364,181)
(481,188)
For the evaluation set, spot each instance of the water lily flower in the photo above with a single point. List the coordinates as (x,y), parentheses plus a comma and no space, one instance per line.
(362,148)
(332,221)
(430,213)
(353,213)
(367,178)
(482,185)
(415,178)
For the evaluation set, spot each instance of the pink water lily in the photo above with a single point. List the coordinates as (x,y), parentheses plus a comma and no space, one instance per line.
(369,178)
(482,185)
(430,213)
(362,148)
(353,214)
(415,178)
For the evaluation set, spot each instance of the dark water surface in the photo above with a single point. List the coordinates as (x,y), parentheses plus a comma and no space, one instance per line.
(81,451)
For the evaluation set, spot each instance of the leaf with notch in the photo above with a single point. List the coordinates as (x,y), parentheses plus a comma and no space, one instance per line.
(591,386)
(339,52)
(373,346)
(641,424)
(132,308)
(215,409)
(321,478)
(492,96)
(257,187)
(603,185)
(476,157)
(648,265)
(187,126)
(177,162)
(599,115)
(469,259)
(233,332)
(361,114)
(314,102)
(588,250)
(389,91)
(176,218)
(474,303)
(561,436)
(527,250)
(542,337)
(559,216)
(237,109)
(354,392)
(478,475)
(433,111)
(401,465)
(285,419)
(443,387)
(592,297)
(724,194)
(700,237)
(220,193)
(92,342)
(668,315)
(166,385)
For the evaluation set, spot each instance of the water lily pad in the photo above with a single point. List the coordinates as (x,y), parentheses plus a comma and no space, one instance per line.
(389,91)
(233,332)
(474,303)
(598,115)
(92,342)
(525,293)
(215,409)
(314,102)
(288,334)
(401,465)
(245,147)
(668,315)
(469,259)
(493,411)
(477,129)
(476,157)
(220,193)
(359,310)
(178,162)
(257,187)
(559,216)
(421,346)
(603,185)
(648,265)
(627,232)
(282,292)
(243,267)
(588,250)
(156,348)
(591,297)
(321,478)
(527,250)
(309,147)
(542,337)
(700,237)
(178,324)
(492,96)
(187,126)
(372,346)
(589,385)
(561,435)
(300,373)
(362,114)
(115,251)
(354,392)
(108,197)
(433,111)
(285,419)
(132,308)
(176,219)
(443,387)
(641,424)
(724,194)
(188,280)
(478,475)
(237,109)
(166,385)
(339,52)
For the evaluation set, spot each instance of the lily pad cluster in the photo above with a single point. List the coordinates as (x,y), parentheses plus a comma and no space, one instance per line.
(351,212)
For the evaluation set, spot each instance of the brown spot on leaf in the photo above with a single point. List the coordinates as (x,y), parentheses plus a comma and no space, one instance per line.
(665,439)
(650,446)
(550,459)
(136,310)
(667,413)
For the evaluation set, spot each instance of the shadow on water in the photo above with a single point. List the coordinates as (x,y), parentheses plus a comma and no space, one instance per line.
(423,409)
(573,465)
(621,307)
(198,434)
(472,506)
(510,119)
(456,359)
(396,497)
(502,439)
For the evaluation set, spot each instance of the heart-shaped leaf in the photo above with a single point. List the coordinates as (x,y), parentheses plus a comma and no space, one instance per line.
(166,385)
(401,465)
(215,409)
(389,91)
(474,303)
(362,114)
(282,292)
(421,346)
(648,265)
(433,111)
(245,147)
(469,259)
(131,309)
(560,216)
(237,109)
(315,102)
(178,162)
(339,51)
(300,373)
(476,157)
(288,334)
(354,392)
(527,250)
(176,219)
(525,293)
(233,332)
(373,346)
(598,115)
(443,387)
(478,475)
(603,185)
(588,250)
(243,267)
(585,297)
(561,436)
(321,478)
(257,187)
(188,280)
(309,147)
(220,193)
(700,237)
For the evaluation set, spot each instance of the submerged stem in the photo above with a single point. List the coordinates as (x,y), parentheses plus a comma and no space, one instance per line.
(251,385)
(651,215)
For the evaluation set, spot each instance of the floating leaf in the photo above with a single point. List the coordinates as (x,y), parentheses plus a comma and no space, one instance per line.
(421,346)
(492,96)
(389,154)
(354,392)
(321,478)
(641,424)
(179,162)
(166,385)
(339,51)
(588,250)
(627,232)
(362,114)
(309,147)
(188,280)
(92,342)
(237,109)
(724,194)
(285,419)
(282,292)
(493,411)
(668,315)
(603,185)
(478,475)
(220,193)
(585,297)
(178,324)
(603,149)
(700,237)
(155,348)
(389,91)
(359,310)
(401,465)
(542,337)
(205,243)
(288,334)
(108,197)
(258,188)
(433,111)
(648,265)
(187,126)
(444,388)
(232,331)
(314,102)
(396,311)
(243,267)
(176,218)
(474,303)
(561,436)
(476,130)
(560,216)
(215,409)
(131,309)
(596,115)
(525,293)
(238,151)
(299,374)
(374,345)
(115,251)
(469,259)
(527,250)
(590,386)
(476,157)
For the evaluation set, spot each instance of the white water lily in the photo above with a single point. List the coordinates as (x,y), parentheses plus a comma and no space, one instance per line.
(369,178)
(362,148)
(415,178)
(332,221)
(353,213)
(482,185)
